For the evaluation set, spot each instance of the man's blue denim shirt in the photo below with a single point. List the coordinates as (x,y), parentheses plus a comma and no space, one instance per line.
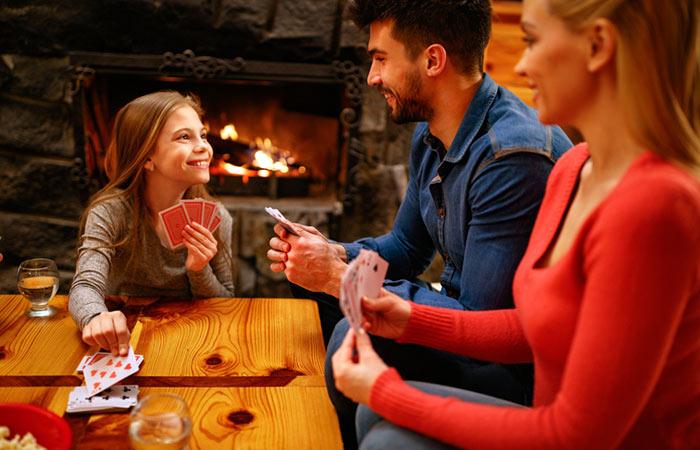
(475,203)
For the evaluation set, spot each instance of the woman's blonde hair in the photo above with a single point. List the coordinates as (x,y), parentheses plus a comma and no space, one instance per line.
(658,68)
(136,129)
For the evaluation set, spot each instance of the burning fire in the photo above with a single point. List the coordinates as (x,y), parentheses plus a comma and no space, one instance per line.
(267,158)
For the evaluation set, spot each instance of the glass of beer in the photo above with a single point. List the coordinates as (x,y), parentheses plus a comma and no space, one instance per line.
(160,422)
(37,280)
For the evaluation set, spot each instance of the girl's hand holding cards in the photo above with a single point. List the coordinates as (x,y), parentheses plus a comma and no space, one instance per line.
(201,246)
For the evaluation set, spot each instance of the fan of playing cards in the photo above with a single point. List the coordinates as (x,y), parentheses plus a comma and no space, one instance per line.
(102,371)
(175,218)
(363,277)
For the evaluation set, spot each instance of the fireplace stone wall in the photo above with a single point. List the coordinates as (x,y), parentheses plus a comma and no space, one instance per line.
(43,187)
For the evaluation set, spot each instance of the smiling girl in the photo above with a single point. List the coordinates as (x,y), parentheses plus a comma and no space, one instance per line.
(158,156)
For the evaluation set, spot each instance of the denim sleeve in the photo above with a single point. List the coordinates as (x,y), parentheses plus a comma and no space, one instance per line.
(505,198)
(407,247)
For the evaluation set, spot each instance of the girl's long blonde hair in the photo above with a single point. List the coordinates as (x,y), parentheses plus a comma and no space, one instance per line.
(134,135)
(658,68)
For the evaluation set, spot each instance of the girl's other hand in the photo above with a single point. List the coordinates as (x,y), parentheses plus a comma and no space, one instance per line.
(109,331)
(201,246)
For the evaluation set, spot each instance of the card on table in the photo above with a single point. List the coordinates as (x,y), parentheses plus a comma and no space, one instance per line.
(117,397)
(286,223)
(106,371)
(94,357)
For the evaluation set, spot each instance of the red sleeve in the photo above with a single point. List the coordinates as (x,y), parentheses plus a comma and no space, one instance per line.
(641,265)
(495,336)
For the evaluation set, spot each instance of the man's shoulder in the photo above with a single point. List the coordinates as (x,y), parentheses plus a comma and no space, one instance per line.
(513,126)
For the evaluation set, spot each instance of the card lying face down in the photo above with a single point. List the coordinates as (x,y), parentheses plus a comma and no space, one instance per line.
(363,277)
(186,212)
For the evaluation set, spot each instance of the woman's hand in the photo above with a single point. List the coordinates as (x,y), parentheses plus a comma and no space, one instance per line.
(109,331)
(387,315)
(201,246)
(355,374)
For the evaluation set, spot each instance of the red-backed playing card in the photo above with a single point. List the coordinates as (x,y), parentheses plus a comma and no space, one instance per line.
(174,220)
(195,210)
(208,211)
(215,222)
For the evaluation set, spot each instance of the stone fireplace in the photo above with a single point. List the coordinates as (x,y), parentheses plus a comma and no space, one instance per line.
(289,76)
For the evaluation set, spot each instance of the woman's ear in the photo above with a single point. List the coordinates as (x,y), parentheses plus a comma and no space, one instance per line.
(149,165)
(602,42)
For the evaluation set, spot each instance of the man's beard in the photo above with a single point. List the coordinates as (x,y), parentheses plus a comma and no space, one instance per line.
(409,106)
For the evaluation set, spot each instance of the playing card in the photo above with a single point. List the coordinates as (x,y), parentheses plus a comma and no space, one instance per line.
(371,273)
(174,220)
(108,371)
(195,210)
(348,296)
(92,358)
(363,277)
(215,222)
(286,224)
(118,397)
(208,210)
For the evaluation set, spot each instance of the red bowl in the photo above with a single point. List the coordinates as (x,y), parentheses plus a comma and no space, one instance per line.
(50,430)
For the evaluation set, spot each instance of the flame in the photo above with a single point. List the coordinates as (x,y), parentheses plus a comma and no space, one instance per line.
(267,158)
(234,169)
(229,132)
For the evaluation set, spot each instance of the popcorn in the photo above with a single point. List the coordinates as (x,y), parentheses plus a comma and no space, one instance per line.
(26,442)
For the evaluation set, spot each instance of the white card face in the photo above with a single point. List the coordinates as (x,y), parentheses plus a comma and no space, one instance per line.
(348,296)
(363,277)
(371,274)
(279,217)
(115,397)
(109,370)
(94,357)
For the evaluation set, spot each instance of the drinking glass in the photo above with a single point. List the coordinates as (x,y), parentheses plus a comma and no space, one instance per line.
(37,280)
(160,422)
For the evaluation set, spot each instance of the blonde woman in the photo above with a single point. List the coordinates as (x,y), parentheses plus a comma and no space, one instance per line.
(608,293)
(159,155)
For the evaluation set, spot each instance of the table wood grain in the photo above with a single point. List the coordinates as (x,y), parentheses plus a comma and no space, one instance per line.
(251,370)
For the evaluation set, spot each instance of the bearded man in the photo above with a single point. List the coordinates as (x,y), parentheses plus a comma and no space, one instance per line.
(478,168)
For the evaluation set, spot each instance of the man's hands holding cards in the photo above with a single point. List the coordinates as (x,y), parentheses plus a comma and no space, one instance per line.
(307,258)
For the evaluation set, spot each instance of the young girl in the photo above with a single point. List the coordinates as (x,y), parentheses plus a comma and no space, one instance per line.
(159,155)
(607,294)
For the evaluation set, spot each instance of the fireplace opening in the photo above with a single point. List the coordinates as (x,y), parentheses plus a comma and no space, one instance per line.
(270,139)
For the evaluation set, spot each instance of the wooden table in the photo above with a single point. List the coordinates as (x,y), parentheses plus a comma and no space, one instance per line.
(251,370)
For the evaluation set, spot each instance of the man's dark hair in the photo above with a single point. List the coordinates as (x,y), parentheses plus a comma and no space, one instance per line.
(461,26)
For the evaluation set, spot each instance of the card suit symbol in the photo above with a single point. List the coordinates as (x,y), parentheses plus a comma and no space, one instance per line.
(127,367)
(109,363)
(126,389)
(96,385)
(125,397)
(93,372)
(102,374)
(113,375)
(106,397)
(118,364)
